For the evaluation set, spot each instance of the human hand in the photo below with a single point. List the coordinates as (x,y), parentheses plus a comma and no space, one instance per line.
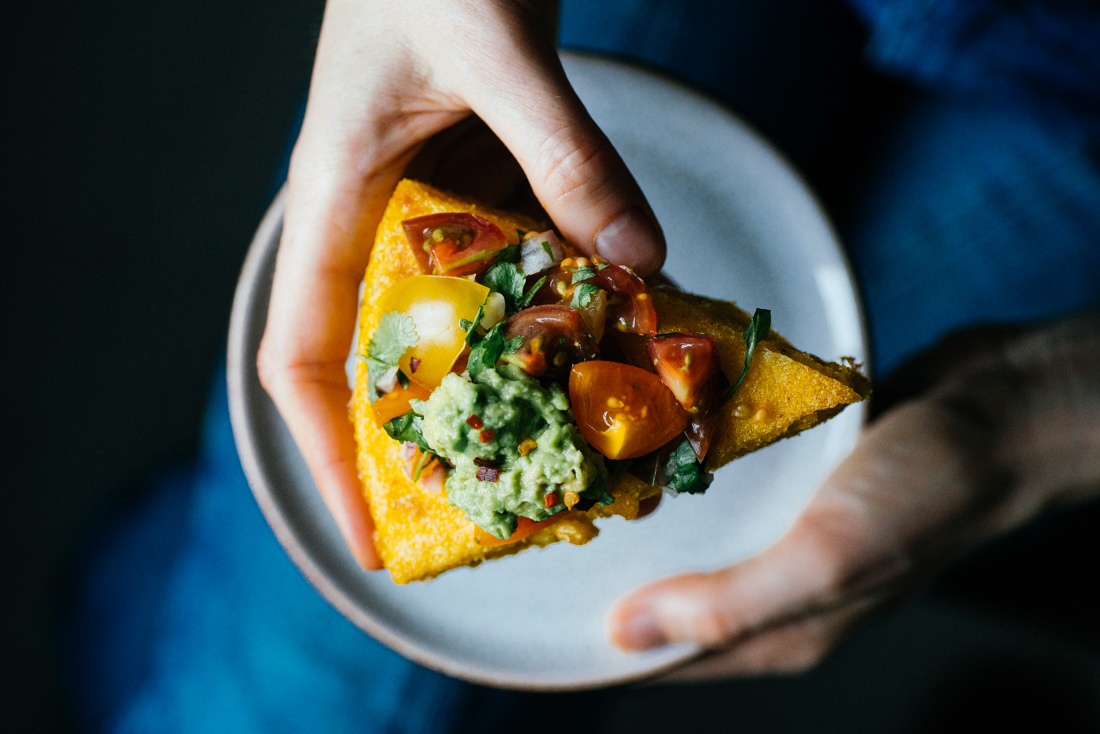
(387,77)
(995,426)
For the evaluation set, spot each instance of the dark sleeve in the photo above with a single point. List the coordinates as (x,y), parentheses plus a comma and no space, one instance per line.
(1040,53)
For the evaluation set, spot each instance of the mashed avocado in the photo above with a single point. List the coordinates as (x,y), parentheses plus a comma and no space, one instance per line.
(488,426)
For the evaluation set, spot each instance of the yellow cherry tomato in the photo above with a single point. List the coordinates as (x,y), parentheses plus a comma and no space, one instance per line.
(436,304)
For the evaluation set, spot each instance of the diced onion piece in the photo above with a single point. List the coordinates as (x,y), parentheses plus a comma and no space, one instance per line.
(534,256)
(388,381)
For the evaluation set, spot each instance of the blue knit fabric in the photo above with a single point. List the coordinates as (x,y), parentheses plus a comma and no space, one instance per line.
(986,205)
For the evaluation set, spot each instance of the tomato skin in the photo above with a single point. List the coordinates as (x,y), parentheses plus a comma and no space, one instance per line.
(623,411)
(396,402)
(436,304)
(554,337)
(525,527)
(454,243)
(628,307)
(688,364)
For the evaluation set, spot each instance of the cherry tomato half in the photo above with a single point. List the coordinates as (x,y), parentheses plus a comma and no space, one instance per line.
(455,243)
(436,304)
(554,337)
(688,364)
(623,411)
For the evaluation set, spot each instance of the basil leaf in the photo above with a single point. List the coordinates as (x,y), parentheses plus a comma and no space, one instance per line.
(407,428)
(525,300)
(756,332)
(582,294)
(682,472)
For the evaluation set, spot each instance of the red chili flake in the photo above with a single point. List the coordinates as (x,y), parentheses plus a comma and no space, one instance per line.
(551,500)
(487,435)
(414,364)
(488,473)
(474,422)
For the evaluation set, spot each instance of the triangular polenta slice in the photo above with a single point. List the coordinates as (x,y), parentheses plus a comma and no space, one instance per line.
(420,535)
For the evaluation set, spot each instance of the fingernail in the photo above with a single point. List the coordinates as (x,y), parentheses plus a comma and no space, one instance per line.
(632,239)
(641,631)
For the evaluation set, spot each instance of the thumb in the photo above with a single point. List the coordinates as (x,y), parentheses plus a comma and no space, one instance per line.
(574,170)
(714,609)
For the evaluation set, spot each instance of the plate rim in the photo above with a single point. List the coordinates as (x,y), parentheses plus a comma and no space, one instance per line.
(241,366)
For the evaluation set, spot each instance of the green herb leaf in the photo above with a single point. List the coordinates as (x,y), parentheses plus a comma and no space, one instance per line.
(682,472)
(602,266)
(470,327)
(408,427)
(507,280)
(510,254)
(547,249)
(525,300)
(513,344)
(597,491)
(581,274)
(582,294)
(486,352)
(402,379)
(396,334)
(757,331)
(425,456)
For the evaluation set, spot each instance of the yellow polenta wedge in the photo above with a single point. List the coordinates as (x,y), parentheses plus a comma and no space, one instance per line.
(420,535)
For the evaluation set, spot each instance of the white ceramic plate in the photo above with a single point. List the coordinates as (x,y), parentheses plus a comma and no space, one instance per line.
(741,226)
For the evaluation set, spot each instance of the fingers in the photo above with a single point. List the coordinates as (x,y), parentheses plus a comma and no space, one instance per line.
(575,171)
(788,580)
(794,647)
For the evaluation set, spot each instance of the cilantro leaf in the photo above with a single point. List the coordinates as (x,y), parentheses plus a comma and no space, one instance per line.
(396,334)
(525,300)
(513,344)
(486,352)
(547,249)
(470,327)
(602,266)
(597,491)
(682,472)
(507,280)
(581,274)
(510,254)
(408,427)
(582,294)
(756,332)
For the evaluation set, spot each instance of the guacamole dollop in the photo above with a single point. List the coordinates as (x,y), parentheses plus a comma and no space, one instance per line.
(518,436)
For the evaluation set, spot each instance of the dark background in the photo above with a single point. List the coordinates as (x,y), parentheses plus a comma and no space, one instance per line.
(142,144)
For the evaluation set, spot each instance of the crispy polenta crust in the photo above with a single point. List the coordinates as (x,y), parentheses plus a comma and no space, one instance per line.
(420,535)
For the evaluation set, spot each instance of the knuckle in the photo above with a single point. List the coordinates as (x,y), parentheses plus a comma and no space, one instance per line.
(576,166)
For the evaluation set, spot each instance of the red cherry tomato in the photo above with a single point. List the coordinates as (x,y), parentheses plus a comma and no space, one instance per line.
(628,307)
(554,337)
(455,243)
(623,411)
(688,365)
